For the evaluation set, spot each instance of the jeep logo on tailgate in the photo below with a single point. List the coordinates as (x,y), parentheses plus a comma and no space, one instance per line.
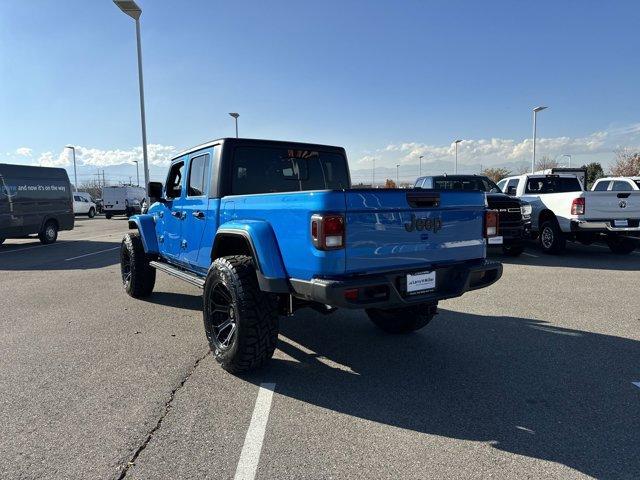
(433,224)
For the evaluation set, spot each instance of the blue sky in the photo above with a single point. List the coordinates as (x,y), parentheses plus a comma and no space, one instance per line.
(389,80)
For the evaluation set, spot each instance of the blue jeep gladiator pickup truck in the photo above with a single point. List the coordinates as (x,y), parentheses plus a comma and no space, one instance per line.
(268,227)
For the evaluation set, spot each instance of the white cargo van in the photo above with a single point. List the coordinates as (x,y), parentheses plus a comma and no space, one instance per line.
(125,200)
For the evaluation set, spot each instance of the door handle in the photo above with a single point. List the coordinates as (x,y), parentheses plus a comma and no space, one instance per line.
(176,214)
(198,214)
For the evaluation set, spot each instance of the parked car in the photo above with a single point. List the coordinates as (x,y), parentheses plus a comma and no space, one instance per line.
(514,215)
(83,204)
(562,210)
(124,200)
(267,227)
(34,200)
(616,184)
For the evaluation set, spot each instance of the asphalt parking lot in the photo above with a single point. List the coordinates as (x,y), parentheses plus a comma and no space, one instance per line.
(530,378)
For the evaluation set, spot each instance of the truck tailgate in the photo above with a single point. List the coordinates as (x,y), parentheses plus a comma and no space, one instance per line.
(393,229)
(612,205)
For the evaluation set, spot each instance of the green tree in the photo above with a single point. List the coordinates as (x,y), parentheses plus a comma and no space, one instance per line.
(496,174)
(594,172)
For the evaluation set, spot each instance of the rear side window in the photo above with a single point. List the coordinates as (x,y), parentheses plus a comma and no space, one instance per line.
(278,169)
(553,185)
(77,198)
(197,176)
(621,186)
(601,186)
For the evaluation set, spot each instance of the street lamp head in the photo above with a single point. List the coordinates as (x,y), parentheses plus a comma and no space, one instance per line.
(458,141)
(70,146)
(538,109)
(129,7)
(234,114)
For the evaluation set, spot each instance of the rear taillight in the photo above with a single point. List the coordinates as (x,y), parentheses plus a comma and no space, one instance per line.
(578,206)
(490,223)
(327,231)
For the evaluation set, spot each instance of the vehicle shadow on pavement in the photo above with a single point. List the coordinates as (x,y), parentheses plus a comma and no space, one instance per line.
(176,300)
(62,255)
(525,387)
(575,256)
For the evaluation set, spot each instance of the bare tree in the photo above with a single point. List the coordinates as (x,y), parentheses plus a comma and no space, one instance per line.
(546,163)
(92,187)
(496,174)
(627,163)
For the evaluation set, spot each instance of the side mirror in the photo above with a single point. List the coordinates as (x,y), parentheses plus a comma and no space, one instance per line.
(511,191)
(155,191)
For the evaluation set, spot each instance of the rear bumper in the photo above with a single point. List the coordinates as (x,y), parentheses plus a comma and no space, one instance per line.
(606,226)
(388,290)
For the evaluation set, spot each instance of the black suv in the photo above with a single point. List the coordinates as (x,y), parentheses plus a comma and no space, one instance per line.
(514,222)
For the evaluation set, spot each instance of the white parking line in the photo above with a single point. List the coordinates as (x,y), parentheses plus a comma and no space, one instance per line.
(250,455)
(61,242)
(637,384)
(93,253)
(530,255)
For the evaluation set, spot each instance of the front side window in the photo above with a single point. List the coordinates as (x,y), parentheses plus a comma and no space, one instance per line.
(280,169)
(77,198)
(197,175)
(512,186)
(174,180)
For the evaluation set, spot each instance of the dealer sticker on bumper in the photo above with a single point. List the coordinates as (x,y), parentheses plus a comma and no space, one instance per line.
(621,223)
(420,282)
(495,240)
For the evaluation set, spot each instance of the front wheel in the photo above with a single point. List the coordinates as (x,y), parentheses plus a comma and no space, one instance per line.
(621,245)
(240,320)
(552,240)
(513,250)
(402,320)
(92,212)
(107,216)
(138,277)
(49,232)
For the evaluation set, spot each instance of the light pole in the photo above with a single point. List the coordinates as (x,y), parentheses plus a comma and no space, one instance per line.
(568,155)
(535,115)
(235,116)
(130,8)
(397,175)
(137,171)
(456,167)
(420,170)
(75,172)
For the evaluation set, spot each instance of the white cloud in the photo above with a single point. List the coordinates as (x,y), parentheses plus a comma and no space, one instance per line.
(498,151)
(24,151)
(48,159)
(158,155)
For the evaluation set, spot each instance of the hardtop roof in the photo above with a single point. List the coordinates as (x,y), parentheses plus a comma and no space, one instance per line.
(257,142)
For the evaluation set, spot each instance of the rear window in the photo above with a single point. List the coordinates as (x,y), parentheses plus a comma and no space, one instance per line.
(464,183)
(279,169)
(621,186)
(601,186)
(553,185)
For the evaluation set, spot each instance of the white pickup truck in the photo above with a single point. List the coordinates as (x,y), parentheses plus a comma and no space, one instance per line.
(562,210)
